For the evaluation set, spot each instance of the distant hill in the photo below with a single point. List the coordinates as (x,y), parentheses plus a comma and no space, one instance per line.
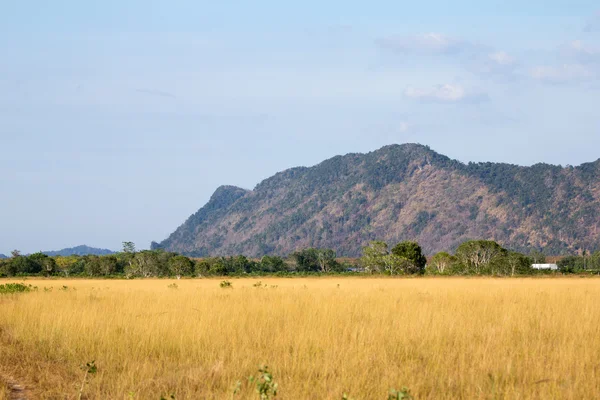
(3,256)
(400,192)
(79,251)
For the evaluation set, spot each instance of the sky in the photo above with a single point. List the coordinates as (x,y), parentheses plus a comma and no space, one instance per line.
(119,119)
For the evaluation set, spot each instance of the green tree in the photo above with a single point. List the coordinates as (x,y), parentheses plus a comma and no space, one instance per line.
(78,268)
(517,264)
(128,254)
(108,265)
(394,264)
(239,264)
(128,247)
(477,256)
(8,268)
(441,263)
(326,260)
(570,264)
(537,257)
(272,264)
(40,262)
(412,252)
(307,260)
(181,266)
(145,264)
(23,265)
(64,264)
(595,261)
(218,267)
(92,265)
(202,267)
(373,258)
(48,265)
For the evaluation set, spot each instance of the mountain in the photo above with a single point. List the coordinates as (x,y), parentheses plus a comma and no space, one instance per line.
(2,256)
(400,192)
(82,250)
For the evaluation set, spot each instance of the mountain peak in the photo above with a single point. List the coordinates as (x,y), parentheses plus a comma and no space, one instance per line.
(406,147)
(227,191)
(398,192)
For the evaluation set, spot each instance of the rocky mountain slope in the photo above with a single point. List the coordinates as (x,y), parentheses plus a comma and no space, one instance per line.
(396,193)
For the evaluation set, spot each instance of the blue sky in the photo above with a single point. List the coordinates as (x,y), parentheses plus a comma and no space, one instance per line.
(119,119)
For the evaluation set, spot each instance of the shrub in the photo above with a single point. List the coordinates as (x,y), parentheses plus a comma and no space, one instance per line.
(225,284)
(265,385)
(402,394)
(16,288)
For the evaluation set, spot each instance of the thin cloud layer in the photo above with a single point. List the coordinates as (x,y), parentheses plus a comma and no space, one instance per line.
(593,25)
(428,43)
(497,65)
(480,59)
(156,93)
(501,58)
(446,93)
(580,63)
(567,73)
(581,52)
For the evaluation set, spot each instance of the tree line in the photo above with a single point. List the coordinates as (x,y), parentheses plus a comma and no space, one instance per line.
(475,257)
(131,263)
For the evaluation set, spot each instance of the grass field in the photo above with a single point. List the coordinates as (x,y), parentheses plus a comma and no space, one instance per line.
(321,337)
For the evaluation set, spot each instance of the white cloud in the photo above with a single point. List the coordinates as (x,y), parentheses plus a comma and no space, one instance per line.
(562,74)
(480,59)
(403,126)
(581,52)
(497,65)
(447,93)
(428,43)
(501,58)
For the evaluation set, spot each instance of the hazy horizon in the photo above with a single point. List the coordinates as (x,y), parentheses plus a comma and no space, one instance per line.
(119,121)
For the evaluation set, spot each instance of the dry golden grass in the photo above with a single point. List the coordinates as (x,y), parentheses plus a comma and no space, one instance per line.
(4,393)
(442,338)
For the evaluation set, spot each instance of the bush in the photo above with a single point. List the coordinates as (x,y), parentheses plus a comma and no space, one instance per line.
(9,288)
(225,284)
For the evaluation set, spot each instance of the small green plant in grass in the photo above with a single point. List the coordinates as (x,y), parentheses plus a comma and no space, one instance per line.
(265,385)
(402,394)
(90,369)
(173,286)
(8,288)
(236,389)
(226,285)
(258,284)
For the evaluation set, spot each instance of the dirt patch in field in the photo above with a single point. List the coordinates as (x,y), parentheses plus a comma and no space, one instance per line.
(23,373)
(11,389)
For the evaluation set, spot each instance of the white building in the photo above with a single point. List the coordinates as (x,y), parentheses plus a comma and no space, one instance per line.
(553,267)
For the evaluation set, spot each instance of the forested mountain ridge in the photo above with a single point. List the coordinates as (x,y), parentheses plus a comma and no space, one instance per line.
(82,250)
(399,192)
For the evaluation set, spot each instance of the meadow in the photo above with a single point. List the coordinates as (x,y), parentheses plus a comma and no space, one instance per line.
(442,338)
